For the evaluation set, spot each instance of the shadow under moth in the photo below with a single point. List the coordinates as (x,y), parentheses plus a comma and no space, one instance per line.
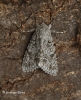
(40,52)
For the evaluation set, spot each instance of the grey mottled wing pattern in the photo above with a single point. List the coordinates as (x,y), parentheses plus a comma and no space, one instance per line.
(30,59)
(40,52)
(48,60)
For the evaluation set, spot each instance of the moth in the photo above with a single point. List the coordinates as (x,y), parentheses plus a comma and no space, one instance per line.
(40,52)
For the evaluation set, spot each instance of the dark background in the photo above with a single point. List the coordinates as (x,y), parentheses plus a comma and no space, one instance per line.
(18,19)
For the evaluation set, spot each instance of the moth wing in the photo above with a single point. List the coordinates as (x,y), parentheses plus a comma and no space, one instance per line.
(48,61)
(31,55)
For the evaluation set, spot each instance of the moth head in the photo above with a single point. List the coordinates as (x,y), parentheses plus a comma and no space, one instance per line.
(49,26)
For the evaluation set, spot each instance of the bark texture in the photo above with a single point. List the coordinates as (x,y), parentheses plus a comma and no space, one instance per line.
(18,19)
